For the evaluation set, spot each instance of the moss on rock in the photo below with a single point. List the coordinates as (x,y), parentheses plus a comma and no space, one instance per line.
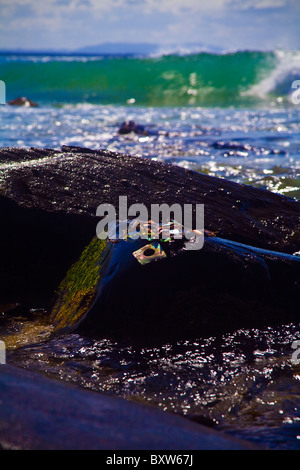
(78,290)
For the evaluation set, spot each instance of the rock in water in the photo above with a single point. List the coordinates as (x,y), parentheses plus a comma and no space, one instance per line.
(114,291)
(130,126)
(22,101)
(76,180)
(48,203)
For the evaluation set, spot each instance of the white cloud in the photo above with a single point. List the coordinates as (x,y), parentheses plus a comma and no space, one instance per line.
(172,6)
(260,4)
(72,23)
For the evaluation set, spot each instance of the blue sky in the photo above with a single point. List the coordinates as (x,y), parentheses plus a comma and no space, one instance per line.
(71,24)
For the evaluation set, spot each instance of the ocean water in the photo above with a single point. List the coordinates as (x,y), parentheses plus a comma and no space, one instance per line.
(243,383)
(230,115)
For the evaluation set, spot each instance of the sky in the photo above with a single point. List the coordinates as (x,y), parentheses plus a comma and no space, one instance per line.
(226,24)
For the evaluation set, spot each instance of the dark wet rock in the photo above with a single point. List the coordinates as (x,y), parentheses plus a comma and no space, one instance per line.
(76,180)
(130,126)
(37,413)
(186,294)
(37,247)
(231,146)
(235,148)
(23,101)
(48,202)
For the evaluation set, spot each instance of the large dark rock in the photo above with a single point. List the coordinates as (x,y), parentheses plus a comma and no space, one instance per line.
(37,413)
(48,202)
(222,287)
(48,210)
(177,294)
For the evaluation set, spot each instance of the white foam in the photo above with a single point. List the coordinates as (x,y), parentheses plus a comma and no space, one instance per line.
(280,78)
(184,50)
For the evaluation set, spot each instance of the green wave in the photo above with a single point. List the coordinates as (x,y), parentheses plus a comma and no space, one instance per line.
(200,80)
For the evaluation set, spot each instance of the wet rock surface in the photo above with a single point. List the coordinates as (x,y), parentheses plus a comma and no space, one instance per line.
(37,413)
(48,202)
(76,180)
(190,294)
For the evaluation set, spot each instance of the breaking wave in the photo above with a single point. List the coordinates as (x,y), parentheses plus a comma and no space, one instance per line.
(239,78)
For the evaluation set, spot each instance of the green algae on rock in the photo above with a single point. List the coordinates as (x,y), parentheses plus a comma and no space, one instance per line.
(78,290)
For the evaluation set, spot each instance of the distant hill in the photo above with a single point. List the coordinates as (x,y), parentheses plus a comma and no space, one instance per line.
(119,48)
(123,49)
(145,48)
